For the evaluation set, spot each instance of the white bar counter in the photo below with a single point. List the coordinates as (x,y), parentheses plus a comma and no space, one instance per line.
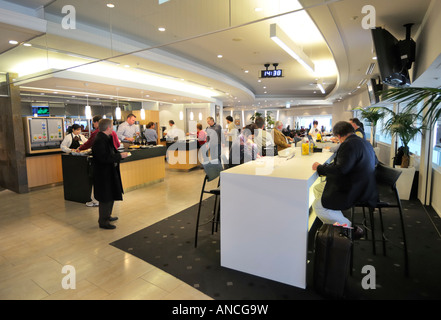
(265,214)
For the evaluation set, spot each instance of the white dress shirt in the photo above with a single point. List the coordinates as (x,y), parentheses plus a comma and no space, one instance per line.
(68,141)
(125,130)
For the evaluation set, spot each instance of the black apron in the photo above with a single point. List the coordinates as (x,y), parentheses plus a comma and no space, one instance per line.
(75,142)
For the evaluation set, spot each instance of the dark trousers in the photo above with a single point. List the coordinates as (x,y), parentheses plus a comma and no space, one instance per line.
(105,210)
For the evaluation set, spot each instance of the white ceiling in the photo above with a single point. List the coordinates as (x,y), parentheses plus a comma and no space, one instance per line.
(198,30)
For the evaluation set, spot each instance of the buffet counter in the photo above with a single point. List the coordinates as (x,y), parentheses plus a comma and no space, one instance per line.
(145,166)
(265,215)
(183,155)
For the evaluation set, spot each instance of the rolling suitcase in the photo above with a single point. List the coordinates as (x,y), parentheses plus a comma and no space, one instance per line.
(332,257)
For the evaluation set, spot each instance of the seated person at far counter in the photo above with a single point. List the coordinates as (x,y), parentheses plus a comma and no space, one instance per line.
(127,130)
(262,138)
(150,134)
(73,139)
(243,148)
(279,138)
(350,178)
(358,126)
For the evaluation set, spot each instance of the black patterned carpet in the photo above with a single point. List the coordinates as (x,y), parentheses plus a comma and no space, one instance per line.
(169,245)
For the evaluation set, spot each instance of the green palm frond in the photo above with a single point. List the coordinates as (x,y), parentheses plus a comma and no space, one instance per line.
(429,98)
(372,114)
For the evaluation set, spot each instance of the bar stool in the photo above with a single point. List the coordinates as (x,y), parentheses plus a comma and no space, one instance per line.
(212,171)
(386,178)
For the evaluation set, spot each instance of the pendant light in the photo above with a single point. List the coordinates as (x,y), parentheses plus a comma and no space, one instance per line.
(142,108)
(88,110)
(118,109)
(181,115)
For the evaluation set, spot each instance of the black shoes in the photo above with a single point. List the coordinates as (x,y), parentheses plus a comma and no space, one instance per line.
(113,218)
(107,226)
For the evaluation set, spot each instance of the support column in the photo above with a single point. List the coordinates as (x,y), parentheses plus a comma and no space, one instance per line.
(13,173)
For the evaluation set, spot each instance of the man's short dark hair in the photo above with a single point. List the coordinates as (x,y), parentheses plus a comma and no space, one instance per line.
(229,118)
(260,122)
(131,115)
(343,128)
(96,118)
(356,121)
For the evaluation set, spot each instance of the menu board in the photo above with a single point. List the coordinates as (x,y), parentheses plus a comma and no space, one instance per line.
(38,130)
(55,129)
(43,134)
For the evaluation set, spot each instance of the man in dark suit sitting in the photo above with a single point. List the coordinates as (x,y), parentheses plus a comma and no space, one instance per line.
(350,178)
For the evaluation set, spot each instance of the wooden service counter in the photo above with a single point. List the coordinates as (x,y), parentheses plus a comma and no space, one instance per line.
(143,167)
(44,169)
(183,155)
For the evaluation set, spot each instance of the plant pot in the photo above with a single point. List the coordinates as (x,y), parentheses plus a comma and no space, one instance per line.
(405,161)
(405,181)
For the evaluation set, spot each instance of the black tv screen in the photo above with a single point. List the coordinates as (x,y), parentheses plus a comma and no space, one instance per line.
(374,90)
(392,71)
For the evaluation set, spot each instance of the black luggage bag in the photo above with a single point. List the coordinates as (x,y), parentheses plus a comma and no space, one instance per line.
(332,259)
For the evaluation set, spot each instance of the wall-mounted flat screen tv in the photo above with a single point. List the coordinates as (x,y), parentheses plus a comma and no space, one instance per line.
(374,88)
(40,111)
(392,71)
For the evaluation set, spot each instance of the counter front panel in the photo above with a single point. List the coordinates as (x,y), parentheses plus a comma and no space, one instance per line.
(265,216)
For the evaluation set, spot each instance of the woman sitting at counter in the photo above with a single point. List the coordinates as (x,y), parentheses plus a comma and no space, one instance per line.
(73,140)
(244,149)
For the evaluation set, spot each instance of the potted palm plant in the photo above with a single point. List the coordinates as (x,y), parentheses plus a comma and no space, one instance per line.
(372,115)
(404,126)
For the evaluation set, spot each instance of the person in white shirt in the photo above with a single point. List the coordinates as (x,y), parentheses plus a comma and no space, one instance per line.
(73,139)
(127,130)
(174,132)
(314,130)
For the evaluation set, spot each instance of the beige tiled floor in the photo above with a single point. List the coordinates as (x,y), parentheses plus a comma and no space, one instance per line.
(40,233)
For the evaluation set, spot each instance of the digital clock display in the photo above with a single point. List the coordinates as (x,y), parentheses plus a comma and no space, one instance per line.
(271,73)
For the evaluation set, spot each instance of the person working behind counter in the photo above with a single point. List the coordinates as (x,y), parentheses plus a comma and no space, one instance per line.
(150,134)
(127,130)
(73,140)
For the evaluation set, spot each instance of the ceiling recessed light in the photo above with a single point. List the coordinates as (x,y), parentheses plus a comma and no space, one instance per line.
(162,29)
(27,44)
(246,71)
(258,9)
(13,42)
(219,56)
(110,5)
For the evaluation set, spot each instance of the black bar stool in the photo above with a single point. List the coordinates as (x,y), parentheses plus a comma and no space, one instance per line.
(212,171)
(388,198)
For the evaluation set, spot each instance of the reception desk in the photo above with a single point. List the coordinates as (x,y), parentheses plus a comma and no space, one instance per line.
(265,216)
(143,167)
